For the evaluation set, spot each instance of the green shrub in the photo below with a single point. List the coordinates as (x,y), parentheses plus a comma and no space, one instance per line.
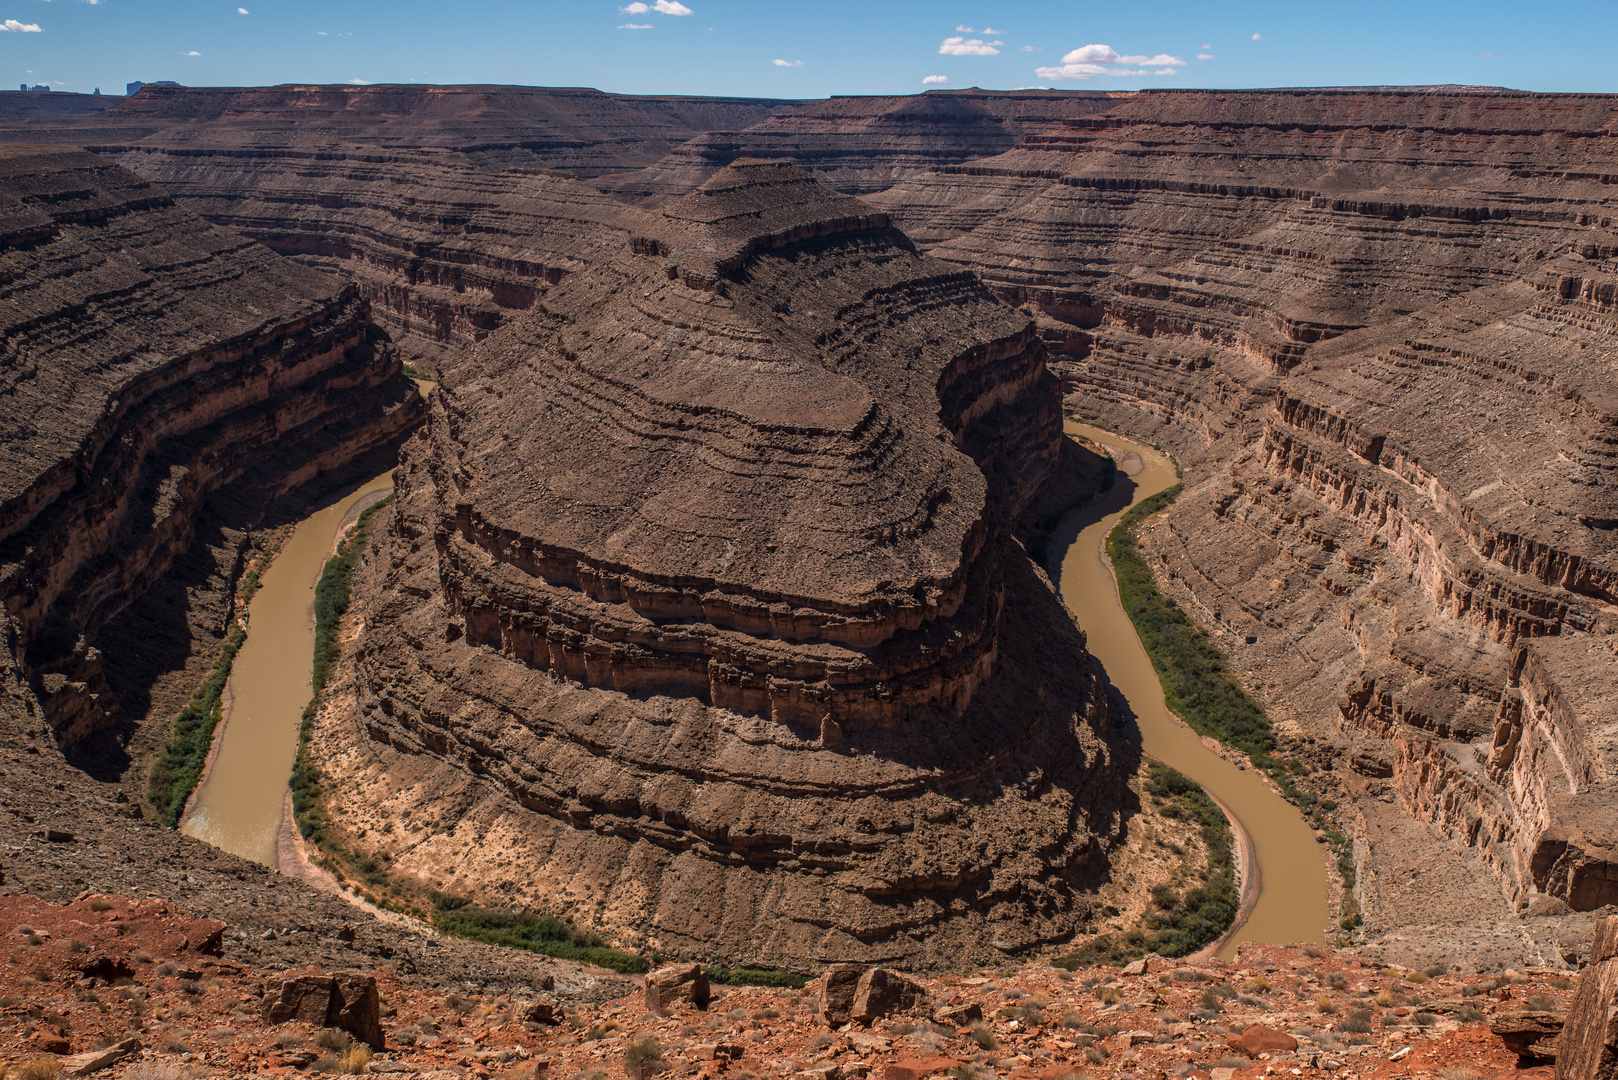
(179,764)
(543,934)
(332,596)
(755,977)
(1196,682)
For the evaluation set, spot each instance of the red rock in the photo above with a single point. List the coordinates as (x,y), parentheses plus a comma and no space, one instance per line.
(1257,1039)
(916,1068)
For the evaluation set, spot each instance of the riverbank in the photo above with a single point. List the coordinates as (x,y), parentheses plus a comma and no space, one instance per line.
(237,802)
(1284,891)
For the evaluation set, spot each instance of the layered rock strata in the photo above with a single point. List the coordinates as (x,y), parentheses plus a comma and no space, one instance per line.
(148,360)
(1381,327)
(443,250)
(443,204)
(861,145)
(700,595)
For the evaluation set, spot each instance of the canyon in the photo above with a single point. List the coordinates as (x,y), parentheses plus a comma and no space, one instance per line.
(700,576)
(703,587)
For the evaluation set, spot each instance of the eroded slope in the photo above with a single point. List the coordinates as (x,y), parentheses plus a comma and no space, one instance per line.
(695,618)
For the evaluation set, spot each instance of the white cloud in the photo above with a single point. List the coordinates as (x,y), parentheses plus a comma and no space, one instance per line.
(968,47)
(989,30)
(1205,48)
(787,63)
(241,11)
(964,29)
(12,26)
(1486,54)
(1091,61)
(193,52)
(322,33)
(1206,56)
(636,26)
(1260,37)
(935,80)
(636,8)
(1030,48)
(359,82)
(671,7)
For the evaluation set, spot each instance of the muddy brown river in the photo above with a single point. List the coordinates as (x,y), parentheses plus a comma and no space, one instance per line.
(238,804)
(1291,870)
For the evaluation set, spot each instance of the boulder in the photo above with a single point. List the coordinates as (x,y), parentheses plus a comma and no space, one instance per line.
(1588,1047)
(666,985)
(539,1011)
(916,1068)
(1529,1034)
(958,1015)
(1257,1039)
(837,989)
(91,1061)
(346,1000)
(881,992)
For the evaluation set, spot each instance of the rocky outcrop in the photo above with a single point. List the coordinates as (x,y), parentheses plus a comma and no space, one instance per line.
(700,582)
(150,359)
(346,1000)
(1588,1046)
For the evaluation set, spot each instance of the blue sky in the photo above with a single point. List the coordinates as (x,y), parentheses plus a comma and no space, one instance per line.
(808,48)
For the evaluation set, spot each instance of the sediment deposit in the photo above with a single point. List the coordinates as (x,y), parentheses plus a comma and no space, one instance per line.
(700,616)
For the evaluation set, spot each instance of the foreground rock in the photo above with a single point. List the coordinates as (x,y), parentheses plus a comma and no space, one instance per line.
(1588,1047)
(346,1000)
(209,1016)
(702,584)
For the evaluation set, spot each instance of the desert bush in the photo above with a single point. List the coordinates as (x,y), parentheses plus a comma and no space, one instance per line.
(981,1035)
(1539,1003)
(333,1039)
(39,1068)
(643,1057)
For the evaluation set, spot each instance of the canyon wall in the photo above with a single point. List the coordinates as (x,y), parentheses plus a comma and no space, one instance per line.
(1377,327)
(150,359)
(454,207)
(699,616)
(1381,329)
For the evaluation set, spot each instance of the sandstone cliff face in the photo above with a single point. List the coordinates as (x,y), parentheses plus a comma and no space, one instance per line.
(149,359)
(700,597)
(1381,326)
